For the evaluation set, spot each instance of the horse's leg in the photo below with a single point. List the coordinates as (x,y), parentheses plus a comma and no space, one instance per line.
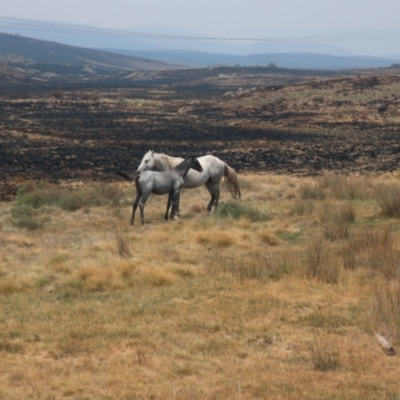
(175,203)
(168,206)
(213,188)
(142,203)
(178,198)
(135,203)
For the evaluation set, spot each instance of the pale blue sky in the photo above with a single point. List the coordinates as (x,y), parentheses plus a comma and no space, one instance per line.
(245,18)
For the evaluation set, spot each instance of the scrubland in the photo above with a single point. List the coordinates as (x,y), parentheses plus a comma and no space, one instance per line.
(277,296)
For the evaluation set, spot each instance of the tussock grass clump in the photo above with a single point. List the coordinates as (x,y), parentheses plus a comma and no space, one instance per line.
(23,217)
(11,347)
(159,277)
(236,210)
(38,195)
(373,249)
(389,199)
(312,191)
(337,222)
(385,309)
(325,356)
(10,285)
(258,265)
(268,237)
(320,263)
(302,207)
(219,238)
(347,188)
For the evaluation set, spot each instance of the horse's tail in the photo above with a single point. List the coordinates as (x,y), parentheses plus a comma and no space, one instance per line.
(232,182)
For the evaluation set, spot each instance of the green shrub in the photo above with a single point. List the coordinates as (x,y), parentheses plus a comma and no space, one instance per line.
(38,195)
(22,215)
(236,210)
(27,223)
(21,211)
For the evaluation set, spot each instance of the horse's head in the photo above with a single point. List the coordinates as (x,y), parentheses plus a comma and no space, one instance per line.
(195,164)
(148,162)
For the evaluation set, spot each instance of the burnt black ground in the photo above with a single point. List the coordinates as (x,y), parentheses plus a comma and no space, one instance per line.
(44,138)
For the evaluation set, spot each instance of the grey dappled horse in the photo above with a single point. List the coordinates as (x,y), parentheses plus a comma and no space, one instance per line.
(162,182)
(213,171)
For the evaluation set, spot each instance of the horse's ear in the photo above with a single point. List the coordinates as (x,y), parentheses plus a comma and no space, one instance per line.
(152,152)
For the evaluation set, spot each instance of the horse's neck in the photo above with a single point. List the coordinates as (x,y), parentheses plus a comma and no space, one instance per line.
(164,162)
(183,167)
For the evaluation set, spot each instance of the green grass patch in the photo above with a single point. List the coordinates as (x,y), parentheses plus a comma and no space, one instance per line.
(236,210)
(38,195)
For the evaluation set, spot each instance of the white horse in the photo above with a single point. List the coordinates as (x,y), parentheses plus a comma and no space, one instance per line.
(213,171)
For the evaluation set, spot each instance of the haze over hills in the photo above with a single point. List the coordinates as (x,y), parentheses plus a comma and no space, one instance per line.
(133,53)
(309,61)
(55,32)
(46,52)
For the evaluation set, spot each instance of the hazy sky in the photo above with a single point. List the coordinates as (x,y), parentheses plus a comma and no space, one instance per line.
(243,18)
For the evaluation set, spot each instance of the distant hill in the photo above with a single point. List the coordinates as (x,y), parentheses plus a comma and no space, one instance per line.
(54,32)
(45,52)
(284,60)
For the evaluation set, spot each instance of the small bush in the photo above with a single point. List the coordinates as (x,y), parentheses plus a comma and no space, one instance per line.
(23,218)
(35,195)
(158,278)
(325,356)
(27,223)
(389,200)
(73,200)
(338,222)
(319,263)
(21,211)
(335,231)
(311,191)
(41,194)
(237,210)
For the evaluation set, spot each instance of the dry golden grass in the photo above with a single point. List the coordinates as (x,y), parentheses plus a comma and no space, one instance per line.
(208,306)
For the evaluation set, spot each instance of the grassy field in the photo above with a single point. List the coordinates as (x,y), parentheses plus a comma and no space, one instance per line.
(278,296)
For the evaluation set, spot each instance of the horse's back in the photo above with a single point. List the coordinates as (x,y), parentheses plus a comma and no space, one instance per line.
(160,182)
(213,169)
